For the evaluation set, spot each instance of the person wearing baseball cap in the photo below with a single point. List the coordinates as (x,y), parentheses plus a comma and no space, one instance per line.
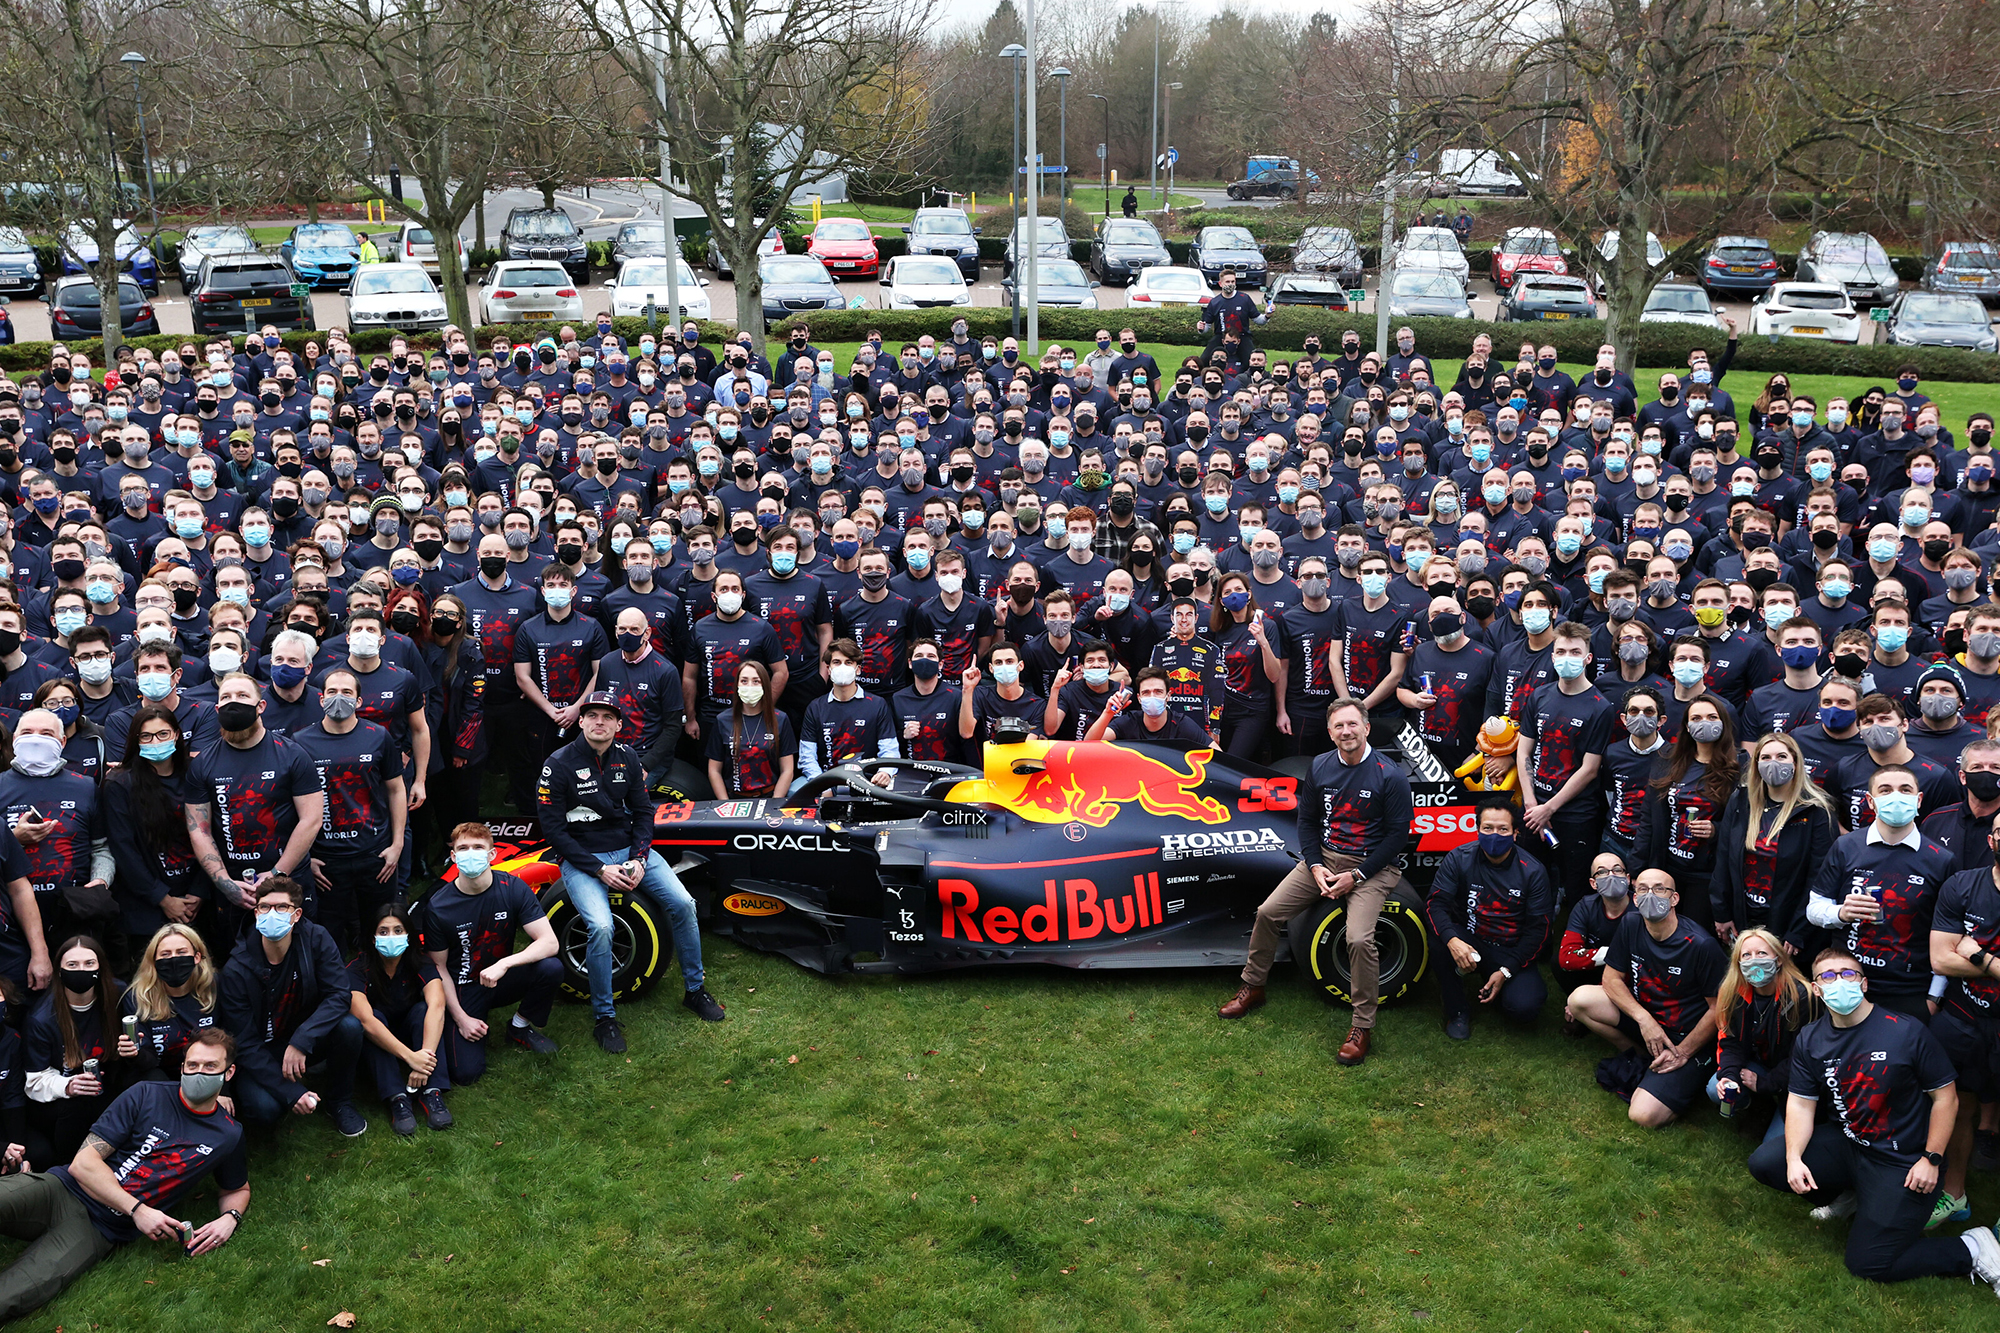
(593,807)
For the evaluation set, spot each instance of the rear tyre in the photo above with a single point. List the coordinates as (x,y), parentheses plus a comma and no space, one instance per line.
(1234,193)
(641,943)
(1319,947)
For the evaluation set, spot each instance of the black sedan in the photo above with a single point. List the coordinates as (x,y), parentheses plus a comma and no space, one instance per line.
(796,283)
(1939,319)
(1125,247)
(1218,248)
(1547,296)
(1274,184)
(1318,290)
(74,313)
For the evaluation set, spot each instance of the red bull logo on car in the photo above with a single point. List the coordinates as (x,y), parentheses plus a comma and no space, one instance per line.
(1060,782)
(1076,911)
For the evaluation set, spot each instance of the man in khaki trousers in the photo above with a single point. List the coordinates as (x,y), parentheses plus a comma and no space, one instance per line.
(1354,822)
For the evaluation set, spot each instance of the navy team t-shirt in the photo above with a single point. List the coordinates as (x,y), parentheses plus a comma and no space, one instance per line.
(249,794)
(160,1151)
(476,930)
(1877,1074)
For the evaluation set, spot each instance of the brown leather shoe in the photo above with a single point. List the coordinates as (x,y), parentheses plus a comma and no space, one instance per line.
(1355,1049)
(1250,997)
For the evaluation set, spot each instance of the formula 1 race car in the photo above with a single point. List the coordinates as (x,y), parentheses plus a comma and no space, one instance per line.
(1077,854)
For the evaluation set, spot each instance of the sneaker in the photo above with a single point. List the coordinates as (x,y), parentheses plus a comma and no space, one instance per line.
(1843,1206)
(1949,1209)
(704,1005)
(610,1036)
(1986,1150)
(435,1114)
(402,1116)
(531,1039)
(348,1120)
(1985,1256)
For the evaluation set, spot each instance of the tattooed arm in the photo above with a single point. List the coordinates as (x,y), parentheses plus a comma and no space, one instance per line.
(209,856)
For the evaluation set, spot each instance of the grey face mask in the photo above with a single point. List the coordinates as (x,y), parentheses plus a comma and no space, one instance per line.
(1653,905)
(1622,608)
(1642,726)
(1984,644)
(1708,730)
(1938,707)
(1613,886)
(1632,654)
(339,707)
(1881,735)
(200,1087)
(1776,772)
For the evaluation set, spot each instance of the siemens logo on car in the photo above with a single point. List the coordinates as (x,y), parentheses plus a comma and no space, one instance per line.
(781,842)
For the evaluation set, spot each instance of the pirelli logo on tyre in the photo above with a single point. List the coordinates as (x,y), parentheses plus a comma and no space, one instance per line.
(752,904)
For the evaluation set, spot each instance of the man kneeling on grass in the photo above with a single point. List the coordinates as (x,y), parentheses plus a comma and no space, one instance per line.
(1660,983)
(151,1146)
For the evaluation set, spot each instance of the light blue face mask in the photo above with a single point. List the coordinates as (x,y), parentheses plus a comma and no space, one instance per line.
(1374,585)
(1688,674)
(1535,620)
(392,946)
(1843,996)
(157,751)
(1569,668)
(1892,638)
(1896,809)
(783,562)
(274,925)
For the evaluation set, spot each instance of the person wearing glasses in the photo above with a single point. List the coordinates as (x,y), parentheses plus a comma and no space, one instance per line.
(1875,1154)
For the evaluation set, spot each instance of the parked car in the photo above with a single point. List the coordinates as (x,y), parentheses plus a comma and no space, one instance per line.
(846,246)
(1434,250)
(323,254)
(1417,291)
(1218,248)
(1321,291)
(1972,267)
(394,296)
(1680,303)
(1607,250)
(921,282)
(1328,250)
(546,233)
(644,281)
(638,240)
(79,252)
(1479,171)
(1547,296)
(1738,264)
(794,283)
(1057,282)
(1852,261)
(1277,183)
(948,232)
(74,313)
(235,291)
(1169,284)
(1051,241)
(20,266)
(201,242)
(6,328)
(518,290)
(772,244)
(1939,319)
(1122,248)
(1806,310)
(416,245)
(1526,250)
(1413,185)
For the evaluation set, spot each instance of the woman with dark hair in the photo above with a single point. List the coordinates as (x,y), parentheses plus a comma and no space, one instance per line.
(1685,801)
(452,705)
(618,534)
(1249,664)
(158,879)
(751,748)
(399,1001)
(1147,564)
(69,1054)
(84,747)
(173,997)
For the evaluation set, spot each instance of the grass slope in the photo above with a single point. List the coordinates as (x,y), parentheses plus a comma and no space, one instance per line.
(1033,1150)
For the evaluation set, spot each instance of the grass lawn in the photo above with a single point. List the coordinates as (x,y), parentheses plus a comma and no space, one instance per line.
(1031,1150)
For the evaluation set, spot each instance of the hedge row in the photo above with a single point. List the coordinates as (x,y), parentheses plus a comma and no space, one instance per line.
(1576,341)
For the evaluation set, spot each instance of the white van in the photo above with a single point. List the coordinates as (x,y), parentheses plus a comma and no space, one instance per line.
(1479,171)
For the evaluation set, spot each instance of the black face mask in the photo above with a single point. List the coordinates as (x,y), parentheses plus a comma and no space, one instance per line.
(67,570)
(569,553)
(443,627)
(1480,607)
(1850,665)
(176,971)
(237,716)
(1985,786)
(10,642)
(1826,539)
(79,980)
(1936,549)
(1760,579)
(1181,587)
(184,600)
(428,548)
(404,622)
(493,566)
(1954,641)
(925,668)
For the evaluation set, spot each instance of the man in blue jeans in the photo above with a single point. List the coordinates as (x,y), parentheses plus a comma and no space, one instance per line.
(596,814)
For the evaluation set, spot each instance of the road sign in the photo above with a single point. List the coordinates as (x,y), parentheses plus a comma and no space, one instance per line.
(1101,153)
(1173,156)
(1356,295)
(300,291)
(1880,314)
(1046,171)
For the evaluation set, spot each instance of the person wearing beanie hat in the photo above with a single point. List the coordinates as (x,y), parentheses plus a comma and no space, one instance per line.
(1940,732)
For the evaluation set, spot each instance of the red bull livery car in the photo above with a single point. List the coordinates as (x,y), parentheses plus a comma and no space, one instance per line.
(1077,854)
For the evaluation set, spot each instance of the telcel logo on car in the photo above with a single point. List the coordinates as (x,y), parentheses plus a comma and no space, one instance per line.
(752,904)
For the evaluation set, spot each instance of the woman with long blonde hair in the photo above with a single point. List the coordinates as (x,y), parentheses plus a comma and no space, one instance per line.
(1763,1003)
(172,996)
(1773,837)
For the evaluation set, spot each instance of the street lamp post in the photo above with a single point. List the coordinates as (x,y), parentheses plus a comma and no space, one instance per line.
(1014,51)
(132,60)
(1172,88)
(1033,350)
(1153,171)
(1061,76)
(1104,155)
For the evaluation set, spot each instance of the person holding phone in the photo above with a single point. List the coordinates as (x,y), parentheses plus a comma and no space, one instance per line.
(1152,722)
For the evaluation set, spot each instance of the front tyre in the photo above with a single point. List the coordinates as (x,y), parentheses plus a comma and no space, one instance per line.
(641,942)
(1319,947)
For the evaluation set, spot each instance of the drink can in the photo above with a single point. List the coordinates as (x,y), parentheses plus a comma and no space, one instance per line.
(131,1026)
(90,1068)
(1727,1108)
(1425,680)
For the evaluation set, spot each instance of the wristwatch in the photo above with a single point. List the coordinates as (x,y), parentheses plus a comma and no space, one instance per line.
(1934,1158)
(235,1214)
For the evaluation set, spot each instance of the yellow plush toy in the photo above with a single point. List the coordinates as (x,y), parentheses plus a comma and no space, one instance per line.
(1496,737)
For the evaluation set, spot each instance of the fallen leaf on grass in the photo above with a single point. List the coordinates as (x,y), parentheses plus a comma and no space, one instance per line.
(345,1319)
(449,1257)
(791,1059)
(321,1263)
(736,1177)
(1088,1220)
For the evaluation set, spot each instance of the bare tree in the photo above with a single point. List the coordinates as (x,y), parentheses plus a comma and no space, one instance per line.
(1634,115)
(823,90)
(63,92)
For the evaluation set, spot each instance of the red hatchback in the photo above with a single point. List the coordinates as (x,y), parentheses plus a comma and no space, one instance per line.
(1526,250)
(845,246)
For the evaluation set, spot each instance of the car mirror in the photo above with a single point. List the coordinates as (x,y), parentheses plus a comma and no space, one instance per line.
(347,290)
(702,281)
(609,283)
(905,229)
(979,231)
